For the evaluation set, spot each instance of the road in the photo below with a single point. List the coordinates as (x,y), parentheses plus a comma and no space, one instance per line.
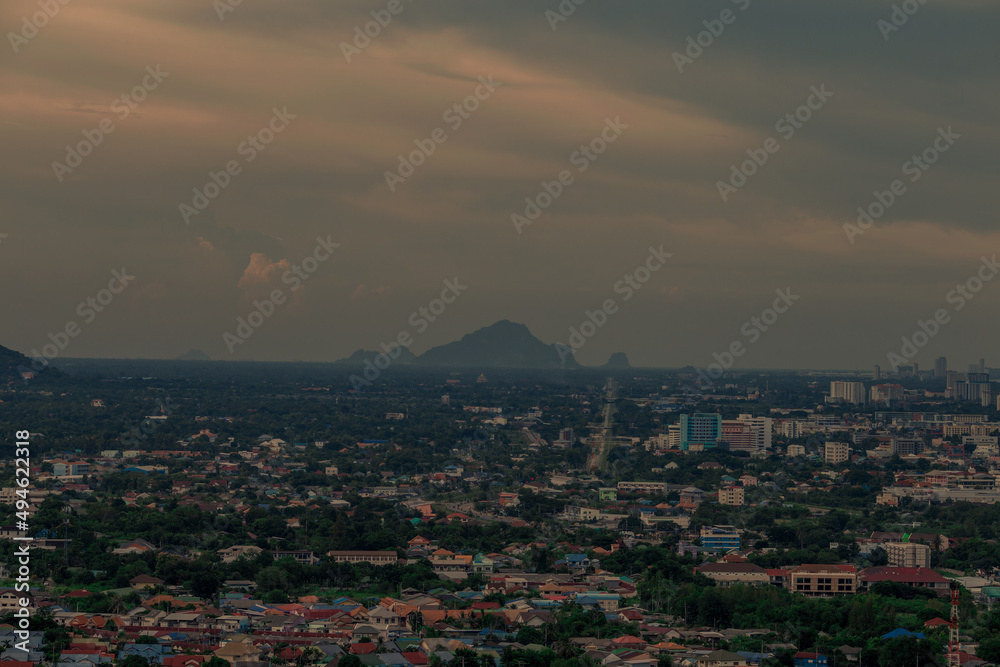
(598,459)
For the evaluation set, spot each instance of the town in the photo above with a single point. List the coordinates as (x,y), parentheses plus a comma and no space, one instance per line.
(445,517)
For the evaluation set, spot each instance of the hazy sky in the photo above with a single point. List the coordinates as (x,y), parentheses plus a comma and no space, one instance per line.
(219,80)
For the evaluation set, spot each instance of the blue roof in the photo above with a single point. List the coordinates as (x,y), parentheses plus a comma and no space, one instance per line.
(903,632)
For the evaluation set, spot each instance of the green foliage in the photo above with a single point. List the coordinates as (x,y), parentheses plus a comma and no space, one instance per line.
(134,661)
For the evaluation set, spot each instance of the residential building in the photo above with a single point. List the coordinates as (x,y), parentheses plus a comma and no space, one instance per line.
(836,452)
(823,580)
(579,513)
(908,554)
(643,487)
(732,495)
(804,659)
(727,574)
(722,659)
(795,450)
(304,557)
(69,468)
(920,577)
(374,557)
(887,393)
(847,392)
(720,538)
(234,553)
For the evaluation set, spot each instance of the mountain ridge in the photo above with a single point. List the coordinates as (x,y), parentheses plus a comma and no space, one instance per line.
(503,344)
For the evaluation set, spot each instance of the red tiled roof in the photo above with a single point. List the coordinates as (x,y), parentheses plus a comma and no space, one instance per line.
(906,575)
(362,648)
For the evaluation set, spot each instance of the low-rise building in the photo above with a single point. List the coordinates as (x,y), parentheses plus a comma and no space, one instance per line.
(727,574)
(823,580)
(908,554)
(732,495)
(920,577)
(720,538)
(374,557)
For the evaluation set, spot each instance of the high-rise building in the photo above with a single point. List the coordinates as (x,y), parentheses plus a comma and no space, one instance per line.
(848,392)
(975,387)
(761,429)
(877,373)
(887,393)
(736,435)
(701,429)
(940,367)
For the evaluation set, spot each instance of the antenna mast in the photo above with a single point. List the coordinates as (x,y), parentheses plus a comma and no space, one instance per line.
(954,644)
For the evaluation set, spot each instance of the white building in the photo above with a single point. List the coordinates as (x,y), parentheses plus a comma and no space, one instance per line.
(847,392)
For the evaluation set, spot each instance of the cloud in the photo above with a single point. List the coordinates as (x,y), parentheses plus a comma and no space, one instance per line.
(362,292)
(262,276)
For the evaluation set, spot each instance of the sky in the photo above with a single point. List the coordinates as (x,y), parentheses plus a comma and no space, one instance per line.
(113,112)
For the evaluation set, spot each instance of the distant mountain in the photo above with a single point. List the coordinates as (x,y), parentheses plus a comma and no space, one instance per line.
(505,344)
(10,362)
(617,360)
(193,355)
(361,356)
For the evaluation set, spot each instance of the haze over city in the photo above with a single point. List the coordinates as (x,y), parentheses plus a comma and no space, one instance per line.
(413,157)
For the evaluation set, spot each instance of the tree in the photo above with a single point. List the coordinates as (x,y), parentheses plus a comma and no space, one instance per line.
(134,661)
(989,649)
(631,524)
(528,635)
(416,622)
(350,661)
(205,585)
(906,651)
